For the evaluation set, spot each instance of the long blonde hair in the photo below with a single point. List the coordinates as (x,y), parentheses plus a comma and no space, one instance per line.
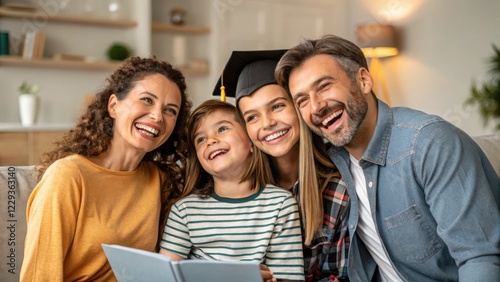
(315,172)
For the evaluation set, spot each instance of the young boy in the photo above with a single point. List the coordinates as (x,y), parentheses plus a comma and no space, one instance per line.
(229,212)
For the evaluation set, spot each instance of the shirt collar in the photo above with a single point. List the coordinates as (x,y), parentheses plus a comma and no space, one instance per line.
(376,152)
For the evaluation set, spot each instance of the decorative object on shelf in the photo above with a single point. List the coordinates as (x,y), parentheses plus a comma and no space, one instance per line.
(33,44)
(89,8)
(119,51)
(28,100)
(179,48)
(4,42)
(487,96)
(177,16)
(116,9)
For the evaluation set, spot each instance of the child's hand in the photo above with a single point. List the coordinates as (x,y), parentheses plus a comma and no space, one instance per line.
(267,275)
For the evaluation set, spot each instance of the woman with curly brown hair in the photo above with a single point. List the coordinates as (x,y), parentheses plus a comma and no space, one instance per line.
(112,178)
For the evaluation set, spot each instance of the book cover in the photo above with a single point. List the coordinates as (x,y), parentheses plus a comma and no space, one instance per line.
(129,264)
(28,45)
(39,45)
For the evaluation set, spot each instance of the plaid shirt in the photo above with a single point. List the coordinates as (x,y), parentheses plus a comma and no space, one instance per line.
(326,257)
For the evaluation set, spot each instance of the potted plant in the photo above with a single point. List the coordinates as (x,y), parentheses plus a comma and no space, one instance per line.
(487,95)
(118,51)
(28,103)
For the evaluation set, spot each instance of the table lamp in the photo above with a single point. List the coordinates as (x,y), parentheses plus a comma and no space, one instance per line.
(377,41)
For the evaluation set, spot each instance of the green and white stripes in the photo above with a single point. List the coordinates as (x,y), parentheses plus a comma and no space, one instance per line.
(264,227)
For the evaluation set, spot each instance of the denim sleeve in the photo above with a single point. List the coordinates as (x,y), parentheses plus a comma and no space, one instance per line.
(458,185)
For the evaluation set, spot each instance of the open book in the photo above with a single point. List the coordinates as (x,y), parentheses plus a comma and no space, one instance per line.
(129,264)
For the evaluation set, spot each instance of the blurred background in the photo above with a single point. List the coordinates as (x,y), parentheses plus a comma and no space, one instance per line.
(443,46)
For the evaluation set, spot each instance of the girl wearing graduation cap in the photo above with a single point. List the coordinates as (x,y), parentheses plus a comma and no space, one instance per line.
(275,128)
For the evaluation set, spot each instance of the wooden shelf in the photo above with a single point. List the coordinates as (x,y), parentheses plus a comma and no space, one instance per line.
(99,65)
(166,27)
(51,63)
(191,70)
(7,13)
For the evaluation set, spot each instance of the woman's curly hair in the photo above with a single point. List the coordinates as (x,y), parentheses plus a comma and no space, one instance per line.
(94,130)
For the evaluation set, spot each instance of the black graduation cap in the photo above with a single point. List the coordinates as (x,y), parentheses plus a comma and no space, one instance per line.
(247,71)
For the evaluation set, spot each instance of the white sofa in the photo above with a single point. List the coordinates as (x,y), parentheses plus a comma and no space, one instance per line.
(491,147)
(16,184)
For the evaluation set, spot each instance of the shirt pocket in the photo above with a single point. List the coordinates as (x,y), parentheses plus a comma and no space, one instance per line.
(413,238)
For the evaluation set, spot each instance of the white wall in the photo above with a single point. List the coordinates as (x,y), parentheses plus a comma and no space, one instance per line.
(271,24)
(445,45)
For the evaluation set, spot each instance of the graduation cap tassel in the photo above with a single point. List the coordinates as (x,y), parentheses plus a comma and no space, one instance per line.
(222,89)
(223,93)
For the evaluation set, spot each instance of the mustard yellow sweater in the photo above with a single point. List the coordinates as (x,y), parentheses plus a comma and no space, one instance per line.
(76,207)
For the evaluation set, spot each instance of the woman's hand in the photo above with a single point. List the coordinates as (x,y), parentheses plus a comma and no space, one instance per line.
(267,275)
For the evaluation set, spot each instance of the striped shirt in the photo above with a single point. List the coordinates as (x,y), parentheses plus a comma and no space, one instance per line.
(327,255)
(263,227)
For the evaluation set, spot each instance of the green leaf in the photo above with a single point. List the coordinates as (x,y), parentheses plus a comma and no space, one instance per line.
(487,95)
(26,88)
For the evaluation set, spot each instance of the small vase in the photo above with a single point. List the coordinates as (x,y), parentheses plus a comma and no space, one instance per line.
(116,9)
(89,8)
(28,108)
(177,16)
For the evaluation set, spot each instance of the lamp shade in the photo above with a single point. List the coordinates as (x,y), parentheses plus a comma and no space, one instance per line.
(377,40)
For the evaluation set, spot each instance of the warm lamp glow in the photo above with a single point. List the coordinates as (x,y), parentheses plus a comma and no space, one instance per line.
(377,40)
(379,52)
(390,10)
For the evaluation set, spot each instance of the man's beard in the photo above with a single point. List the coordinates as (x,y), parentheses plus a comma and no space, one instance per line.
(356,110)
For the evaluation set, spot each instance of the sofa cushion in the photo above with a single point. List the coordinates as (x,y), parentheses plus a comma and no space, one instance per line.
(16,184)
(491,147)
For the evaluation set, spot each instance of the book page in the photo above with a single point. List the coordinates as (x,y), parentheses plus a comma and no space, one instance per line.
(217,271)
(131,264)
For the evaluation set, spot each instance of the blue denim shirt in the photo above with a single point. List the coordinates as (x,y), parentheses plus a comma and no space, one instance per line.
(431,195)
